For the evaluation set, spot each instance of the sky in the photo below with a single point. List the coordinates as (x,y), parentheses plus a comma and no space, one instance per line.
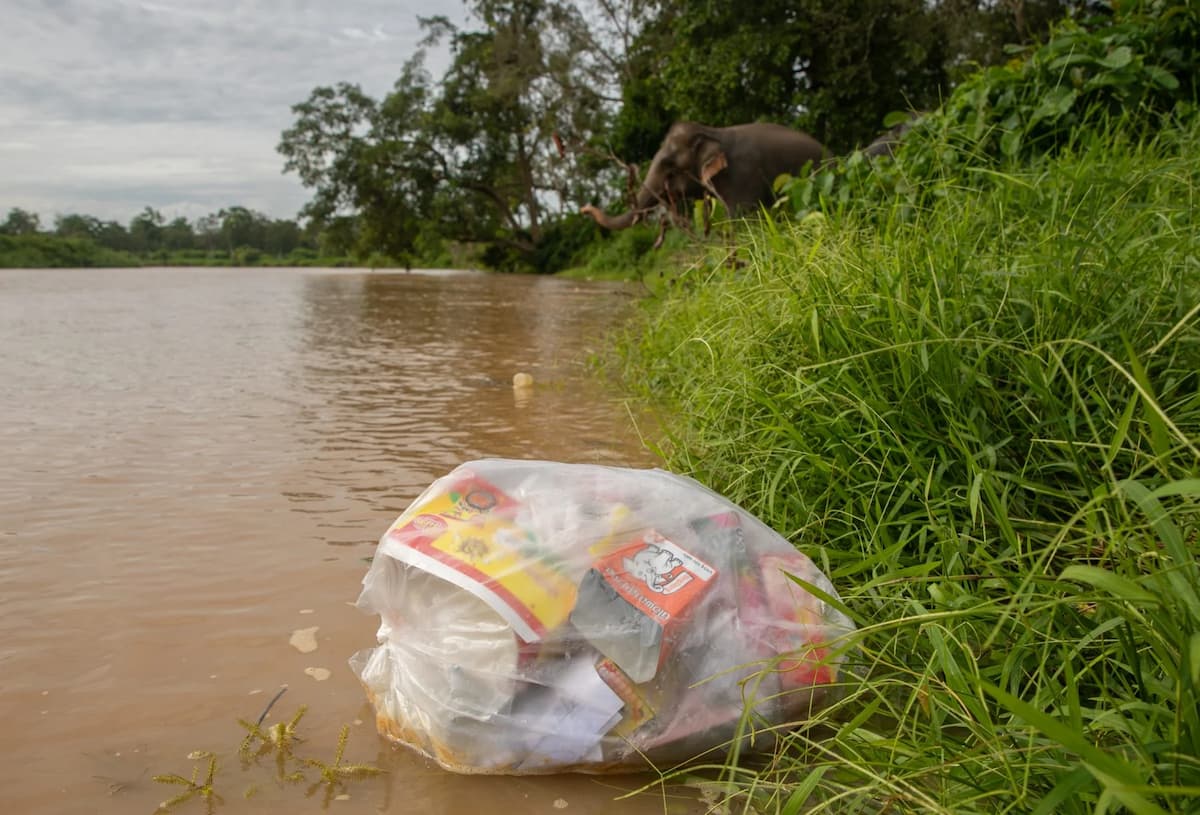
(110,106)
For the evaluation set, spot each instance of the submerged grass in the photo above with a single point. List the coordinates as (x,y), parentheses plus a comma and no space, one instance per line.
(982,420)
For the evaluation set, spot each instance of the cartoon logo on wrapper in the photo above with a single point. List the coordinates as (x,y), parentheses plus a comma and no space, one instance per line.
(661,571)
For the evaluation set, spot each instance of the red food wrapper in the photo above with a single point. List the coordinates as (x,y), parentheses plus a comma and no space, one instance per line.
(633,602)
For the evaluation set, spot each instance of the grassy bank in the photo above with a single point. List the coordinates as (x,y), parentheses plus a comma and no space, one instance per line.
(631,255)
(982,417)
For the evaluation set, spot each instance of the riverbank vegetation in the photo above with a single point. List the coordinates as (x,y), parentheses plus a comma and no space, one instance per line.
(235,236)
(966,381)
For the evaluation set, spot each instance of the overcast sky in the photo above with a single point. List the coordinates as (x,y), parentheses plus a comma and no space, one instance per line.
(109,106)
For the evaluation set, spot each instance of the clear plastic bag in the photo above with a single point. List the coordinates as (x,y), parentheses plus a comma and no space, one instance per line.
(542,617)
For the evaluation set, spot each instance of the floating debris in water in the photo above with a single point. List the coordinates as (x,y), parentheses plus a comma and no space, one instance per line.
(319,674)
(304,640)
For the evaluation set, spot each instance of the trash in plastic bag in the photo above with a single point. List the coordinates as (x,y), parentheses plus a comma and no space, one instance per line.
(542,617)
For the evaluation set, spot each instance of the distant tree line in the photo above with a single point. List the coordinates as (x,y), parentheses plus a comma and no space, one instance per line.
(541,97)
(235,235)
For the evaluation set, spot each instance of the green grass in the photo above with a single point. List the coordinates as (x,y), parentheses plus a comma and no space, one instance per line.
(981,417)
(629,254)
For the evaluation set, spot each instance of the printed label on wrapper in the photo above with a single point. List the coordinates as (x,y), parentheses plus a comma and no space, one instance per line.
(633,599)
(466,535)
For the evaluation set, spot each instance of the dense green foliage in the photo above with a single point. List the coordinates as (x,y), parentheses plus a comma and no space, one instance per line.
(1144,62)
(973,396)
(234,236)
(832,68)
(49,251)
(473,158)
(629,255)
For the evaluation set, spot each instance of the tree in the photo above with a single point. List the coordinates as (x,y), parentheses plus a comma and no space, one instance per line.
(338,237)
(178,235)
(280,237)
(864,60)
(112,235)
(20,222)
(208,232)
(238,228)
(361,161)
(831,67)
(976,32)
(145,231)
(76,226)
(474,158)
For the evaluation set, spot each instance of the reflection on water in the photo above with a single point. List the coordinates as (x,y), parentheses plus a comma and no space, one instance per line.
(197,462)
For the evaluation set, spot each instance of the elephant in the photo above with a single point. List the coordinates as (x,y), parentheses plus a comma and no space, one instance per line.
(735,165)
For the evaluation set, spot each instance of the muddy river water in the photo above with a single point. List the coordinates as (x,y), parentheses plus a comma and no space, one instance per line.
(196,463)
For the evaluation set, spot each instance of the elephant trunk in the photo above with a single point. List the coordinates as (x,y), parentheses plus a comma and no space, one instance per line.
(613,222)
(647,199)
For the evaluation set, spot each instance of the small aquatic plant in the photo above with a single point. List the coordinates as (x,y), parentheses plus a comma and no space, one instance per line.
(334,776)
(193,787)
(280,740)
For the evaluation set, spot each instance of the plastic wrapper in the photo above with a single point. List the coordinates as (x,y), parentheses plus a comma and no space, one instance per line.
(543,617)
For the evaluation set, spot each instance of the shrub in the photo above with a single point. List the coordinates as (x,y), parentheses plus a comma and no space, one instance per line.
(1137,72)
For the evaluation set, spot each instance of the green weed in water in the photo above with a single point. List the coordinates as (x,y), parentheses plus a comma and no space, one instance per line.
(193,787)
(334,775)
(280,741)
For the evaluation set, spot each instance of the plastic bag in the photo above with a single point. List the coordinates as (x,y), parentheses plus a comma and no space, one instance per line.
(542,617)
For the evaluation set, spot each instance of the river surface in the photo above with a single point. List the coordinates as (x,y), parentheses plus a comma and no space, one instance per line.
(196,463)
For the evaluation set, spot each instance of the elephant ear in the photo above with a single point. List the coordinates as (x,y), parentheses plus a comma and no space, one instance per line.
(712,165)
(710,158)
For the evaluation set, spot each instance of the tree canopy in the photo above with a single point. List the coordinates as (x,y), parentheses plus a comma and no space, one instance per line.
(472,158)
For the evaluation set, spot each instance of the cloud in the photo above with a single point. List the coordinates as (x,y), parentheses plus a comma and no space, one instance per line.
(112,170)
(376,34)
(174,100)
